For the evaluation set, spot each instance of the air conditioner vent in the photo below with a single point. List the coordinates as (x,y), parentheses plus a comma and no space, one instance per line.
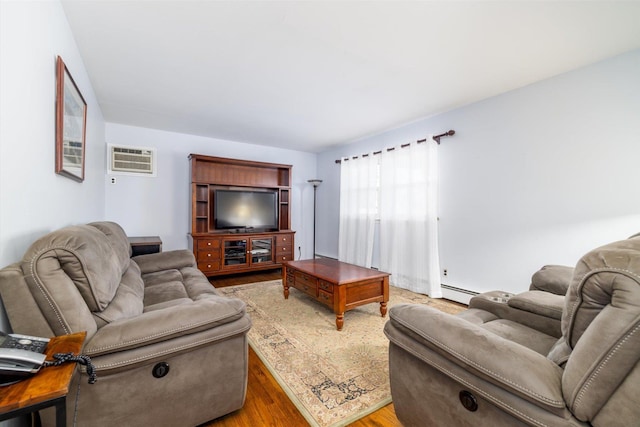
(132,160)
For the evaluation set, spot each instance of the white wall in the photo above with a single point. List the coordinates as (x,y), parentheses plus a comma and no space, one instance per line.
(160,205)
(536,176)
(33,199)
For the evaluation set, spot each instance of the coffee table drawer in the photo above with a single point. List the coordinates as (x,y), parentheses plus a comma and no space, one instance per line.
(325,286)
(290,279)
(325,297)
(306,283)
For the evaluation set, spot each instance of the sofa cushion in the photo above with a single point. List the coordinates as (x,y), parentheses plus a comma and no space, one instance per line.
(521,334)
(79,253)
(163,292)
(163,261)
(160,277)
(165,304)
(510,330)
(117,239)
(127,301)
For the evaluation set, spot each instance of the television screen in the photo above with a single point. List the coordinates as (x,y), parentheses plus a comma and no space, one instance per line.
(246,209)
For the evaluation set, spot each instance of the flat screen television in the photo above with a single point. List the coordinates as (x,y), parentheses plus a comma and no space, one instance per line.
(237,209)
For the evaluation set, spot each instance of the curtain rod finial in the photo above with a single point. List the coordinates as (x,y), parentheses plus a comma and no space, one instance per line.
(449,133)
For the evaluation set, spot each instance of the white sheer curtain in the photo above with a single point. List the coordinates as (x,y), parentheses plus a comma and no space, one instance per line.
(408,217)
(358,209)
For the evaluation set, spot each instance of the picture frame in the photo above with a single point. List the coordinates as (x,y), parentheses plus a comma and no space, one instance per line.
(71,124)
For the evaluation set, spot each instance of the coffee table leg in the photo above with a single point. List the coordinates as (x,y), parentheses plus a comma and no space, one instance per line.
(383,309)
(339,320)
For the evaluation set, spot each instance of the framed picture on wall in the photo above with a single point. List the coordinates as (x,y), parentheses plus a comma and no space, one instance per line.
(71,122)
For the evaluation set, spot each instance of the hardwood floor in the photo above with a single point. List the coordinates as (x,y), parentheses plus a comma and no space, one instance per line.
(243,278)
(266,403)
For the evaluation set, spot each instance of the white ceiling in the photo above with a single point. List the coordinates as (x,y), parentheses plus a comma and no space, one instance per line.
(307,75)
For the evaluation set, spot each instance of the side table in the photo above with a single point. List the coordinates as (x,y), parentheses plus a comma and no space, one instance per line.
(143,245)
(49,387)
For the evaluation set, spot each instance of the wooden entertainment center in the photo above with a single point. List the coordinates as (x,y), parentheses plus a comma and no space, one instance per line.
(226,251)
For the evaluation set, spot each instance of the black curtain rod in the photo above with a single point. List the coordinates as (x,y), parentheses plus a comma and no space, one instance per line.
(436,138)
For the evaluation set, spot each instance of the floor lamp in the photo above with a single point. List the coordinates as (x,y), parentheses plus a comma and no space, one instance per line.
(315,183)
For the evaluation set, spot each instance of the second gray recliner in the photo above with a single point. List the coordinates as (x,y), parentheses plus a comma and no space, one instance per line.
(480,369)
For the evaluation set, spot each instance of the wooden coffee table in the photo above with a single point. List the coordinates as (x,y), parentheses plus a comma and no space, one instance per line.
(339,285)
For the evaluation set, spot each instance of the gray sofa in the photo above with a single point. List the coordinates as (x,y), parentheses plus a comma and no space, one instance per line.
(137,312)
(516,360)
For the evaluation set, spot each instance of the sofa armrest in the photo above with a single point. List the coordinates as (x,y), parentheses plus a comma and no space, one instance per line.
(539,302)
(205,313)
(536,311)
(169,260)
(508,365)
(552,278)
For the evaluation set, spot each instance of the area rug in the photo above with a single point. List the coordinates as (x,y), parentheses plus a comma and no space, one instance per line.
(333,377)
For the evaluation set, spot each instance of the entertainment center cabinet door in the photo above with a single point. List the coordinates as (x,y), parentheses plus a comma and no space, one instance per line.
(234,252)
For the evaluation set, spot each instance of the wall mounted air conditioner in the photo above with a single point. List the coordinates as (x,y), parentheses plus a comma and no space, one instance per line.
(125,160)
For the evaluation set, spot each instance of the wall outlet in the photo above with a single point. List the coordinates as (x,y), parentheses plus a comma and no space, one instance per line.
(113,180)
(444,273)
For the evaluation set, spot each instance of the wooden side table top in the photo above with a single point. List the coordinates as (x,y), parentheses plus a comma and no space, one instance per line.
(50,383)
(335,271)
(142,245)
(145,240)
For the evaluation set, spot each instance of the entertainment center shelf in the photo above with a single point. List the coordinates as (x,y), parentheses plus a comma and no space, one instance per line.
(220,247)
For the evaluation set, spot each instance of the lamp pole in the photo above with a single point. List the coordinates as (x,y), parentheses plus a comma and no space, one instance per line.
(315,183)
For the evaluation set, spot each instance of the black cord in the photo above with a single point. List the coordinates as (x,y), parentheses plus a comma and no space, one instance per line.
(69,357)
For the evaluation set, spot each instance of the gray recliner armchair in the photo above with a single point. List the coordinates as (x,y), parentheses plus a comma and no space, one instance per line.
(504,363)
(168,350)
(532,317)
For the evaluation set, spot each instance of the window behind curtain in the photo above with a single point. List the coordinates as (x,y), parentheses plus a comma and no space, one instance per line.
(359,197)
(400,188)
(408,218)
